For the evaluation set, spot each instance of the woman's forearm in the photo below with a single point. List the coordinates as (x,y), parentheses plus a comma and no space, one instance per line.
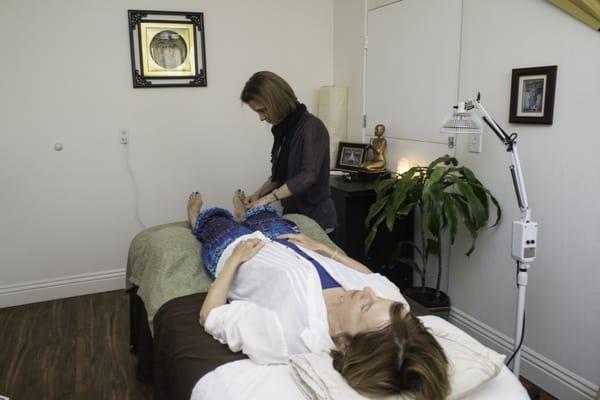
(282,192)
(217,294)
(266,187)
(347,261)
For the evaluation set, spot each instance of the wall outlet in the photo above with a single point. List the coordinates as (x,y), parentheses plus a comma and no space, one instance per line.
(123,136)
(475,142)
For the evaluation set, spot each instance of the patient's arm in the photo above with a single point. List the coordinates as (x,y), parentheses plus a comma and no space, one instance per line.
(324,250)
(217,294)
(347,261)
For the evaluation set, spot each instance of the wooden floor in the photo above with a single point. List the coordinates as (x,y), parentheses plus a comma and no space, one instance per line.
(77,348)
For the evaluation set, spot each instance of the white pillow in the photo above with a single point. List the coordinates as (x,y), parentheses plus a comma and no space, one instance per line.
(471,364)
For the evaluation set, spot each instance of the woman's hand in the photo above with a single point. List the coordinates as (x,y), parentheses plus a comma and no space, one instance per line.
(250,199)
(246,249)
(263,201)
(304,241)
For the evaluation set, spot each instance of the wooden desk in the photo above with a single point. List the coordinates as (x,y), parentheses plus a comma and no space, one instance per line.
(352,201)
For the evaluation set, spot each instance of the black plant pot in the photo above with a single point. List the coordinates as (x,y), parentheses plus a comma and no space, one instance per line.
(437,303)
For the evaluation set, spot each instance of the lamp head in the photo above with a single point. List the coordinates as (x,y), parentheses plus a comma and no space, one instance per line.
(462,120)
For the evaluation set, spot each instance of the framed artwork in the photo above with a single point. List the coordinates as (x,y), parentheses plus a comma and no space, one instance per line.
(532,95)
(167,48)
(350,156)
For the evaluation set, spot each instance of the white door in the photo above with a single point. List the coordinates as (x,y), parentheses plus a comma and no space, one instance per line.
(412,75)
(412,80)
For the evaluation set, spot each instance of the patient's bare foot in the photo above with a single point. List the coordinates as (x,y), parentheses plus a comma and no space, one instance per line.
(193,207)
(238,204)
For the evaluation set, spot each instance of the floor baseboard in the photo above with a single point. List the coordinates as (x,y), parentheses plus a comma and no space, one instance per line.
(545,373)
(58,288)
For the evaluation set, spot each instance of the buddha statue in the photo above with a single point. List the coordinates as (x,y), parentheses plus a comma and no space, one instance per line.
(376,151)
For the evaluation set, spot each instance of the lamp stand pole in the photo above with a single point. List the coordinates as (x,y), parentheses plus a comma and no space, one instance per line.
(522,286)
(524,232)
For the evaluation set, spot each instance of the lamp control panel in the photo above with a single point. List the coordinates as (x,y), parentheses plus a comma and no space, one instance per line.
(524,241)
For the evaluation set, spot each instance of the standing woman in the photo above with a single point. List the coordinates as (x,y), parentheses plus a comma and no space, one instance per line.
(300,153)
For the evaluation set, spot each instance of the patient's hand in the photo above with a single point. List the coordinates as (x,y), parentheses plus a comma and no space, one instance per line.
(246,249)
(304,241)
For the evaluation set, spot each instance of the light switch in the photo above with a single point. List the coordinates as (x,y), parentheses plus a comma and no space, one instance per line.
(475,142)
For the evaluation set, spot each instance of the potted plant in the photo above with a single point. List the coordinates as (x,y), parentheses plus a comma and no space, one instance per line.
(444,195)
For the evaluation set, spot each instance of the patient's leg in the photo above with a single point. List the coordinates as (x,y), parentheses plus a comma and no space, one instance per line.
(268,221)
(215,228)
(238,205)
(193,207)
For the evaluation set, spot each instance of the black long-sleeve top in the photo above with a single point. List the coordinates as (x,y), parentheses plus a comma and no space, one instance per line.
(308,172)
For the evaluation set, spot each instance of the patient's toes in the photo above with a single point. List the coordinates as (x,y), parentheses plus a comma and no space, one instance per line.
(194,206)
(238,205)
(195,201)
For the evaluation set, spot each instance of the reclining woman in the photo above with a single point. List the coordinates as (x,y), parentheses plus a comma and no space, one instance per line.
(289,294)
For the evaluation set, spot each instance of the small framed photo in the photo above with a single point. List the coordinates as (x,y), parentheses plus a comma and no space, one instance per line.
(350,156)
(167,48)
(532,95)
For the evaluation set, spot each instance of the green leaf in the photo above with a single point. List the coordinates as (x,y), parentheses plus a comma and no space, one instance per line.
(384,185)
(369,239)
(450,211)
(403,187)
(467,218)
(406,209)
(478,214)
(436,175)
(433,208)
(371,236)
(390,216)
(376,208)
(411,263)
(498,209)
(408,243)
(446,159)
(469,175)
(433,246)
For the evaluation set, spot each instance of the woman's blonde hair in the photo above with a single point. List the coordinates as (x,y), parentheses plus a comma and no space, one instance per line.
(402,357)
(273,92)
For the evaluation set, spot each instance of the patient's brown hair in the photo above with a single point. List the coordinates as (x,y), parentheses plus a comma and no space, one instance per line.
(402,357)
(273,92)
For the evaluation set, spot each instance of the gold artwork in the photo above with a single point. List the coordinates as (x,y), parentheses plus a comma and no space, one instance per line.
(167,49)
(376,151)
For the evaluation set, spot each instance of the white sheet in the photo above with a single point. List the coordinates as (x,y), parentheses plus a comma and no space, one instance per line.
(245,380)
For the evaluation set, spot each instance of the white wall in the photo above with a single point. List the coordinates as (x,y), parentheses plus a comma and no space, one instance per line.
(560,168)
(348,59)
(71,213)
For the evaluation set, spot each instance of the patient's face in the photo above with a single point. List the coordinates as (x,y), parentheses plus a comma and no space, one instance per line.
(363,311)
(261,110)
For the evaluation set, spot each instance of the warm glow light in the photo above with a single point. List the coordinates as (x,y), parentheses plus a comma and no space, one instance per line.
(403,165)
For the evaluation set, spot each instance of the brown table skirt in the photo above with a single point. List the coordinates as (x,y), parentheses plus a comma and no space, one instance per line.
(181,352)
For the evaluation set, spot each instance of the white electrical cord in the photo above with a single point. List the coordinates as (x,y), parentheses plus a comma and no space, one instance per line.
(135,186)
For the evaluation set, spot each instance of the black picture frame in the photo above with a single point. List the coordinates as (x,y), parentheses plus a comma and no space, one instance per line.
(350,156)
(532,93)
(167,48)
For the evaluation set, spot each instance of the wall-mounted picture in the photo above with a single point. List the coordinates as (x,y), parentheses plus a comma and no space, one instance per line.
(350,156)
(167,48)
(532,95)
